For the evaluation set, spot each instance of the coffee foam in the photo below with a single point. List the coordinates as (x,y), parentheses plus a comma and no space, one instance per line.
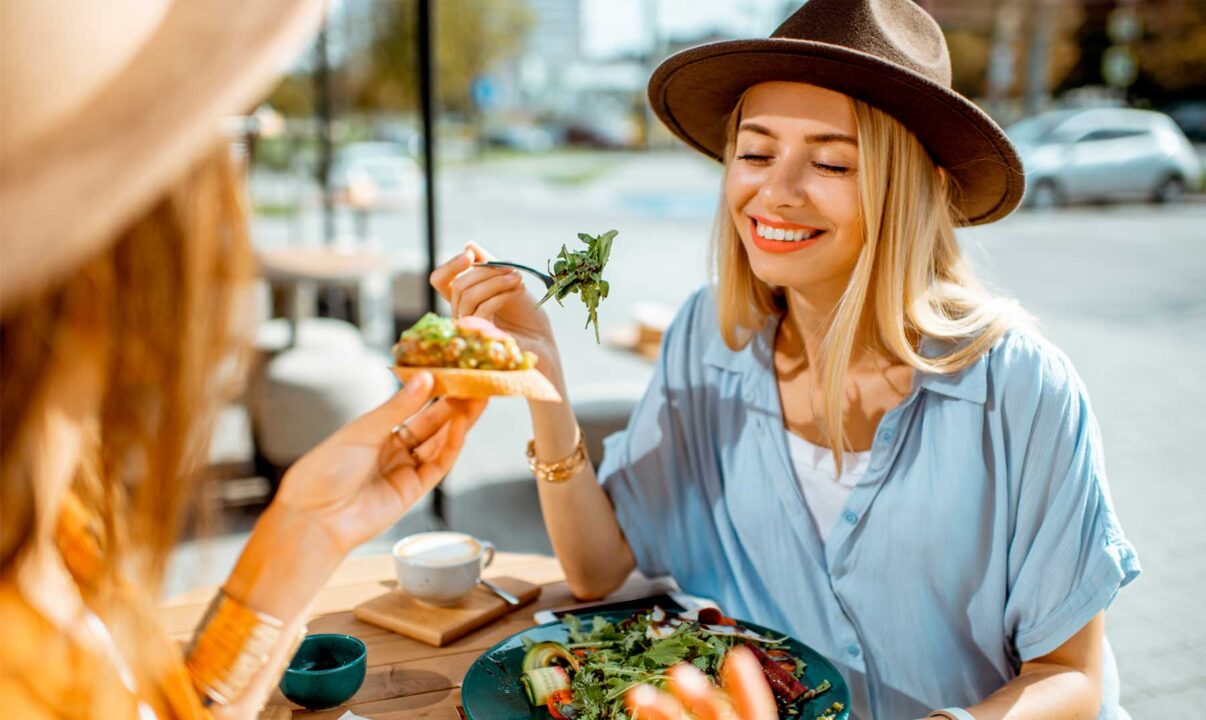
(439,549)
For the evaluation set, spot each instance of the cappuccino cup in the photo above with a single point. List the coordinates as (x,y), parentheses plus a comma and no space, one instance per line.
(440,568)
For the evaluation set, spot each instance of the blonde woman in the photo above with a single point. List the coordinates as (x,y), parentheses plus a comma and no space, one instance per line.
(124,256)
(848,437)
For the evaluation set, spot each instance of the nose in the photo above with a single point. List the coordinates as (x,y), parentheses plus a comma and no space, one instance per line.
(785,186)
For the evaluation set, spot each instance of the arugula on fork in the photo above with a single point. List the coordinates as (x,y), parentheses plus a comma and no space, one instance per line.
(581,271)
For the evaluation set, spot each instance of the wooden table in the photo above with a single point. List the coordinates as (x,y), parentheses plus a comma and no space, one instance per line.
(299,271)
(406,679)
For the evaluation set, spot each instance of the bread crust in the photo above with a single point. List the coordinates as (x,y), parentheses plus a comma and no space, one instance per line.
(462,383)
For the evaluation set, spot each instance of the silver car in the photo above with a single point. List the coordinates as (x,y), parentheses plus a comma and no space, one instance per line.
(1104,153)
(377,174)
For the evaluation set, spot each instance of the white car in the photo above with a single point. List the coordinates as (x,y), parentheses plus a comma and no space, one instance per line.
(1104,154)
(376,175)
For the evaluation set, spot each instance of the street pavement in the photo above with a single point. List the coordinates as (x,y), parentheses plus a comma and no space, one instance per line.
(1121,289)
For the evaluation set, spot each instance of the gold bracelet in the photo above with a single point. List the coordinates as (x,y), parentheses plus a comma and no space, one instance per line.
(232,644)
(562,470)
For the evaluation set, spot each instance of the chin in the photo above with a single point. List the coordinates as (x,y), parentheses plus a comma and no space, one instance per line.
(777,270)
(777,275)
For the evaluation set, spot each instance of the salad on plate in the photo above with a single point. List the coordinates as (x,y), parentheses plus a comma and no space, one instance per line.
(586,677)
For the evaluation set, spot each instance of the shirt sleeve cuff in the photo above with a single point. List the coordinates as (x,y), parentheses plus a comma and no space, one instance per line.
(1114,570)
(952,714)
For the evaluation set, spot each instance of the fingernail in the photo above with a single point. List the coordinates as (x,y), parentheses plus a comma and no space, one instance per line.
(513,277)
(642,695)
(419,381)
(693,682)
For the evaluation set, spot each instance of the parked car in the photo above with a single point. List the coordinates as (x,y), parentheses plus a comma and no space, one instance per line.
(1104,154)
(519,136)
(376,174)
(1190,116)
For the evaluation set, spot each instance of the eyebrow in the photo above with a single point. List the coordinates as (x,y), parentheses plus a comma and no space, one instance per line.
(815,139)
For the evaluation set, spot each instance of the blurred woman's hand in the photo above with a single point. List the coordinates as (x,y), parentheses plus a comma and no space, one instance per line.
(361,480)
(746,694)
(498,295)
(347,490)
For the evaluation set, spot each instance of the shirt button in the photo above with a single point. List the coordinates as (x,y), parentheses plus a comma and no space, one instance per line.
(888,435)
(853,650)
(850,517)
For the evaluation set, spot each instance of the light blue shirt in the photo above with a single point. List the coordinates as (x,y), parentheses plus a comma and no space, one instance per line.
(981,536)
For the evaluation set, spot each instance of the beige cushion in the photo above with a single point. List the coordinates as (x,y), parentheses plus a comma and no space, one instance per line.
(272,336)
(302,395)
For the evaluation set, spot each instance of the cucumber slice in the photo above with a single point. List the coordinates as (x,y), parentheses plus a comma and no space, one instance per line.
(542,682)
(548,653)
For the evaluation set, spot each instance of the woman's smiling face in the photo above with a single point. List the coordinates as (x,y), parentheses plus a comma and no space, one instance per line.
(791,186)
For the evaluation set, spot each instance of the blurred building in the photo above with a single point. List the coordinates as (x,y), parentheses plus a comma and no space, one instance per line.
(553,85)
(553,44)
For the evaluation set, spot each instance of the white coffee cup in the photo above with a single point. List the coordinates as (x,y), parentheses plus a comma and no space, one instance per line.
(441,568)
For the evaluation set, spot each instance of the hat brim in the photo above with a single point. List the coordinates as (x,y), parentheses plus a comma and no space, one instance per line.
(694,91)
(71,189)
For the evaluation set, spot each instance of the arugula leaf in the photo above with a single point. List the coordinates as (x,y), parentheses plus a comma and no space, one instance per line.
(581,271)
(574,625)
(597,625)
(665,653)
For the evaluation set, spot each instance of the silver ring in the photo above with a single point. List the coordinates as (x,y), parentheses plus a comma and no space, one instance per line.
(403,434)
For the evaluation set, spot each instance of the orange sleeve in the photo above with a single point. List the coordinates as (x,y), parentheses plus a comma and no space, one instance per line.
(16,701)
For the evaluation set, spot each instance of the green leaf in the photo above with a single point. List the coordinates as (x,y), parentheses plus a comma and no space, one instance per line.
(665,653)
(581,271)
(574,625)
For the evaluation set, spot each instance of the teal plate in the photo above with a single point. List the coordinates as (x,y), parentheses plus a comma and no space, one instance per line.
(491,690)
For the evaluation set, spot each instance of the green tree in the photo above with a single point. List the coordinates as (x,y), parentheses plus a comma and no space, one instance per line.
(969,60)
(294,96)
(1172,53)
(470,37)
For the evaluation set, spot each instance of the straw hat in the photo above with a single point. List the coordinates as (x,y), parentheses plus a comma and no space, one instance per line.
(888,53)
(102,104)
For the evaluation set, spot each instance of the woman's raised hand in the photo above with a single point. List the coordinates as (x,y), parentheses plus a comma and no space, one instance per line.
(498,295)
(746,694)
(364,477)
(347,490)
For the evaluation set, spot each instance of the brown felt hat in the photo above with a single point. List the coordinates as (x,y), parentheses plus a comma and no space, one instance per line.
(104,104)
(887,53)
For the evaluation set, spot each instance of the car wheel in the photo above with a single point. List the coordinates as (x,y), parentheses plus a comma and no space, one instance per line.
(1172,190)
(1045,196)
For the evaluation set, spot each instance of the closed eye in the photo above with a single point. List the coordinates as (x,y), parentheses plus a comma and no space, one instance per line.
(831,169)
(753,158)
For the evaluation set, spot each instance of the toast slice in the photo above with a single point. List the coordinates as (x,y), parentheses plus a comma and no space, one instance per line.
(463,383)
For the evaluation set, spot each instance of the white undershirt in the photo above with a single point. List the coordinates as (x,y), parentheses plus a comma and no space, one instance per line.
(824,494)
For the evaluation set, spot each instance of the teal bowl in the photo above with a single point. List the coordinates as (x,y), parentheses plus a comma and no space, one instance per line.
(326,672)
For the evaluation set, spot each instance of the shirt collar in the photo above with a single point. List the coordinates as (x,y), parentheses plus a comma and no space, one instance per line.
(755,357)
(970,383)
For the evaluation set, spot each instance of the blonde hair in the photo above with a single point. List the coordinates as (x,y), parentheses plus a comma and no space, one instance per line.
(910,279)
(155,309)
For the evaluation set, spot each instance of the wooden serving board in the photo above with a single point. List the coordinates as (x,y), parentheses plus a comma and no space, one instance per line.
(437,626)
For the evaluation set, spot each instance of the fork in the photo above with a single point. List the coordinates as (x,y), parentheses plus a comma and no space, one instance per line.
(547,280)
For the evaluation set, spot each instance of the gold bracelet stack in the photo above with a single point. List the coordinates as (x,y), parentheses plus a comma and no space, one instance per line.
(562,470)
(232,644)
